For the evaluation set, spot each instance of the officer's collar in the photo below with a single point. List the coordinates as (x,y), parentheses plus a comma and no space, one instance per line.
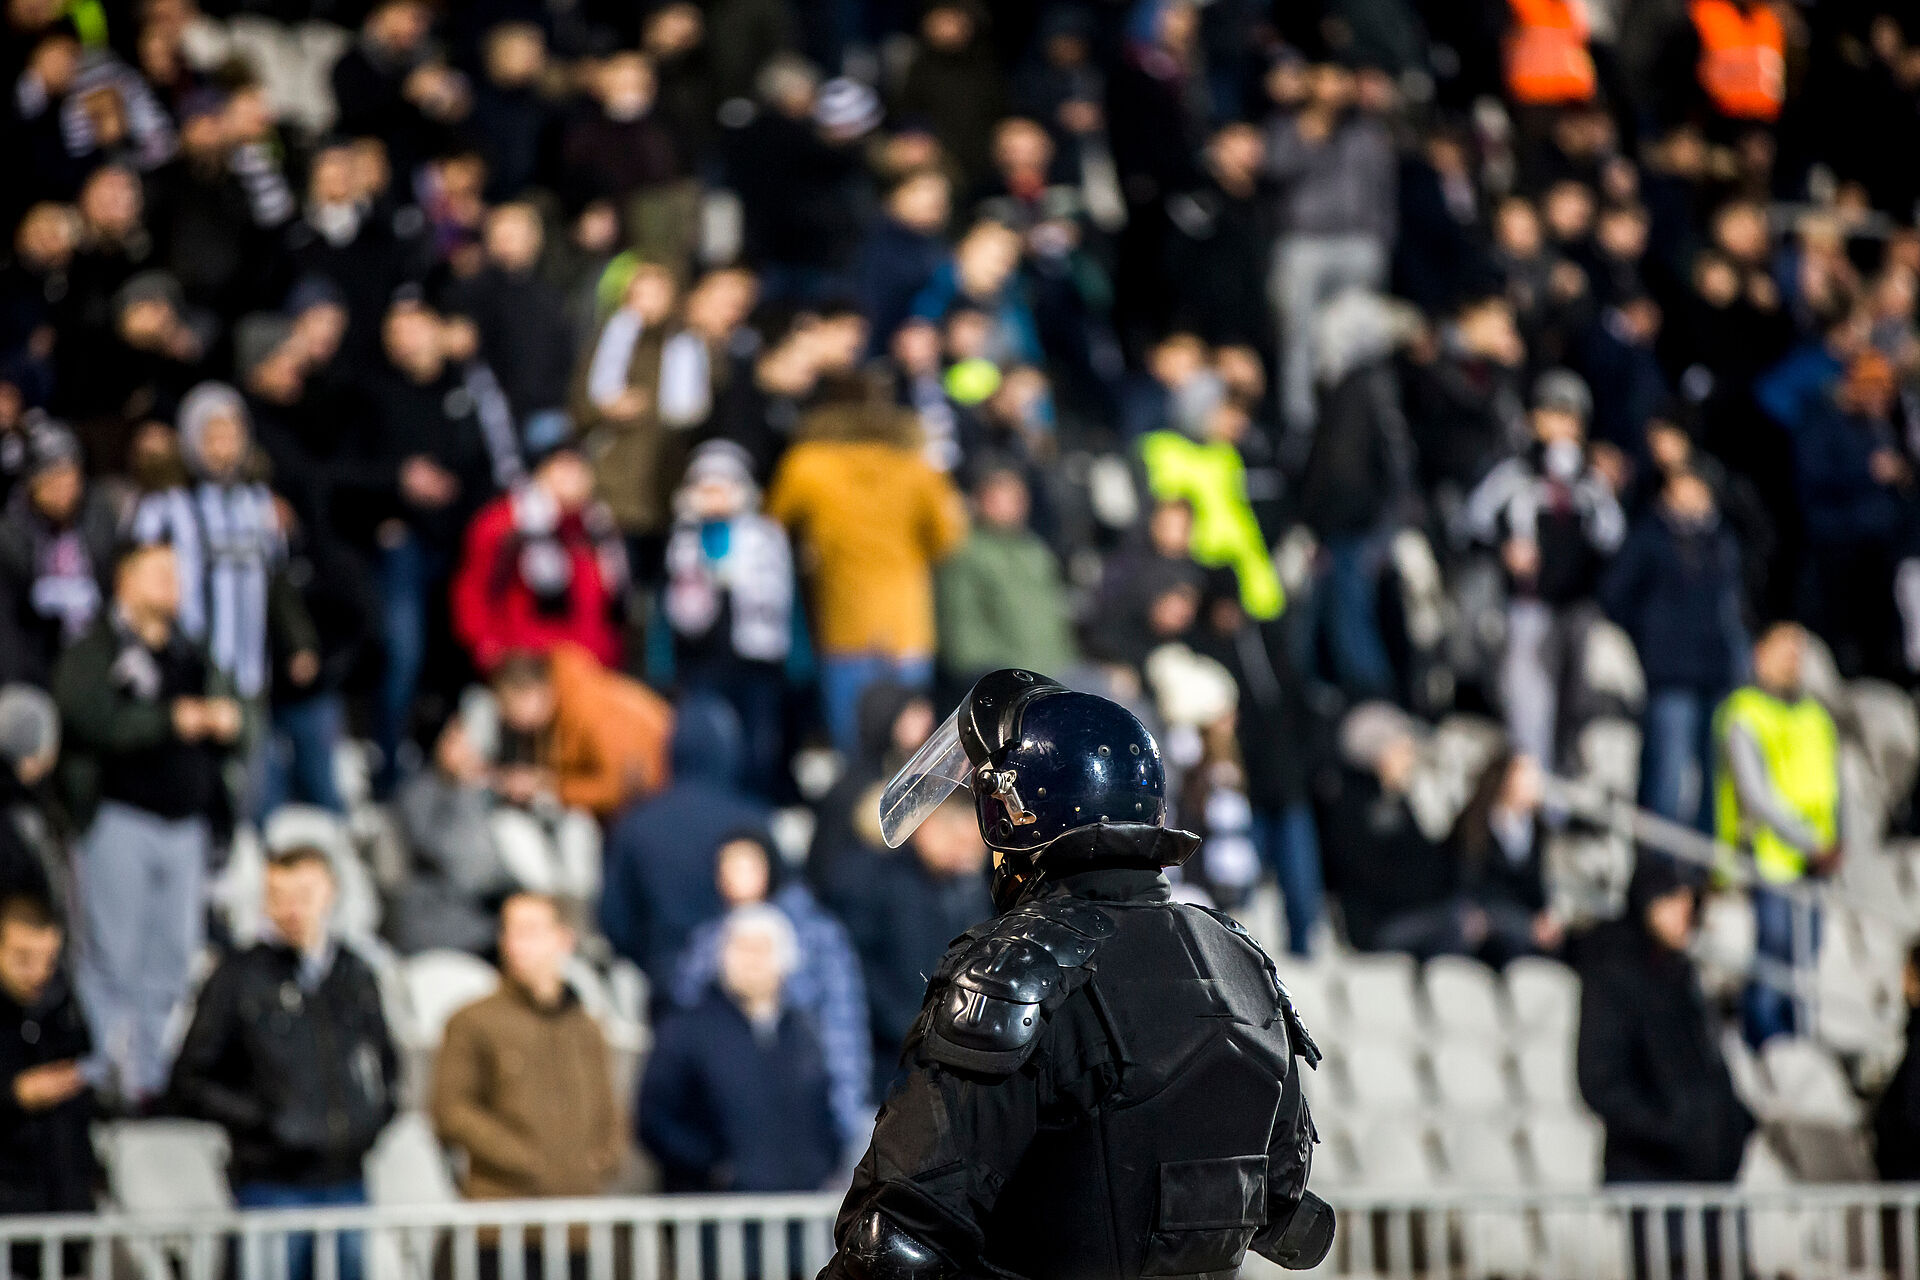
(1110,883)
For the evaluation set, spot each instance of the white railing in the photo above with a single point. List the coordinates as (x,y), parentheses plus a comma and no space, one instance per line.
(1664,1233)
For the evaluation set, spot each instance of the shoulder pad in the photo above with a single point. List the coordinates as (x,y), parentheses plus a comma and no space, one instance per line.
(988,1016)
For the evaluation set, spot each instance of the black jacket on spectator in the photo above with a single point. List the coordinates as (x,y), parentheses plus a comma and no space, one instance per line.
(1649,1064)
(801,195)
(301,1079)
(116,712)
(1896,1120)
(46,1157)
(43,572)
(525,335)
(1217,246)
(1675,589)
(728,1106)
(438,419)
(367,268)
(1377,859)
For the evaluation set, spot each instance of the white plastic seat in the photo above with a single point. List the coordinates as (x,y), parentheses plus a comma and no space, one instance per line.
(1482,1154)
(165,1167)
(1311,987)
(1379,995)
(408,1166)
(1565,1151)
(1471,1077)
(1395,1156)
(1804,1082)
(1463,997)
(439,984)
(1547,1076)
(1384,1077)
(1545,996)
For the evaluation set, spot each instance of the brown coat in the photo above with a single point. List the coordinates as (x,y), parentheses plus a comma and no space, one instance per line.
(527,1094)
(637,460)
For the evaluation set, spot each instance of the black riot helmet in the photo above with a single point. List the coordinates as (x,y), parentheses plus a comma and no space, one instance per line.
(1057,777)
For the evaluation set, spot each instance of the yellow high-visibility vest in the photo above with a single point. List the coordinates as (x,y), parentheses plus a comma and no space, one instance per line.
(1801,749)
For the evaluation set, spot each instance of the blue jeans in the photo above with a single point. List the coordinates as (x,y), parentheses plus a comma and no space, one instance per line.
(1677,732)
(844,677)
(1348,615)
(280,1195)
(300,758)
(412,577)
(1291,845)
(1765,1009)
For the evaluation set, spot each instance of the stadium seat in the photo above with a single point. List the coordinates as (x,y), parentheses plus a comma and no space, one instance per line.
(1545,996)
(1471,1077)
(1311,987)
(165,1167)
(1546,1070)
(1804,1082)
(1463,997)
(1564,1150)
(1884,721)
(1384,1077)
(1395,1155)
(1609,754)
(1379,996)
(1482,1153)
(440,984)
(408,1166)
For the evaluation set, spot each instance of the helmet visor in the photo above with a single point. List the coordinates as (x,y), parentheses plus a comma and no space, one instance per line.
(937,770)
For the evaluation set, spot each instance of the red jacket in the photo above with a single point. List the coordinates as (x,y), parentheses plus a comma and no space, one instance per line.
(496,610)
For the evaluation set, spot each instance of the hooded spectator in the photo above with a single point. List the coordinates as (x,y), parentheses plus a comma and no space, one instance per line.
(736,1095)
(56,548)
(824,983)
(730,602)
(32,850)
(659,881)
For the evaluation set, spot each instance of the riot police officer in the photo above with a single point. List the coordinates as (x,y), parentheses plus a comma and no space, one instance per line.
(1103,1083)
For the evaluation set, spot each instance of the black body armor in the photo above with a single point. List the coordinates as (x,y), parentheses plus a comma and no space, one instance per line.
(1104,1084)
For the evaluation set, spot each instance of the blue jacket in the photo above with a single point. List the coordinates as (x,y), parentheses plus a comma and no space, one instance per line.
(658,880)
(1792,388)
(894,265)
(827,987)
(728,1107)
(1843,503)
(1676,592)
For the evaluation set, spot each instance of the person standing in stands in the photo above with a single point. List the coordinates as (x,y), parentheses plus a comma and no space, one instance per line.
(289,1053)
(56,544)
(1896,1119)
(149,726)
(523,1084)
(1777,798)
(46,1109)
(1648,1062)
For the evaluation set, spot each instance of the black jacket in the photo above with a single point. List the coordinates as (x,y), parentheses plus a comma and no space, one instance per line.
(1378,861)
(46,1157)
(303,1081)
(1896,1120)
(1649,1065)
(1103,1083)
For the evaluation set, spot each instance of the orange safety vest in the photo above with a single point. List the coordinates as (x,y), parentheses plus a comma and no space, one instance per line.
(1547,58)
(1743,64)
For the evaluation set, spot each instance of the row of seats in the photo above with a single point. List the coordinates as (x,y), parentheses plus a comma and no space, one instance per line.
(1558,1152)
(1388,996)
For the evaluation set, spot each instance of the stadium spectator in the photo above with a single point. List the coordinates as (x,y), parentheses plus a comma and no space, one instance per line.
(149,724)
(823,984)
(901,912)
(1777,799)
(1648,1063)
(893,721)
(736,1094)
(542,566)
(522,1085)
(875,518)
(526,335)
(288,1052)
(1379,861)
(660,854)
(1896,1118)
(46,1144)
(1555,520)
(56,551)
(1001,600)
(1676,589)
(1499,841)
(730,601)
(32,848)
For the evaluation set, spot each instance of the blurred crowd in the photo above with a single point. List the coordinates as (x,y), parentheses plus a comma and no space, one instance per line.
(586,438)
